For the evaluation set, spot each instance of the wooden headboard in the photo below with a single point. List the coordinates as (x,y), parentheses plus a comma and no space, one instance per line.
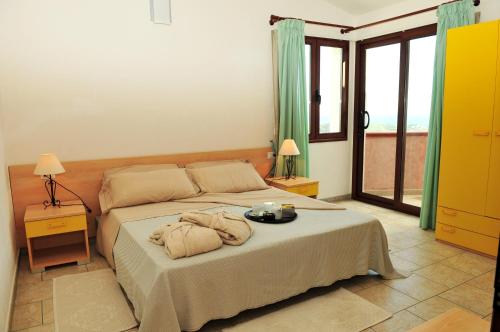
(84,178)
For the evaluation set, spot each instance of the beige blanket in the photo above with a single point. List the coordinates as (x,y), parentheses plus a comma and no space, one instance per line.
(184,239)
(233,230)
(110,223)
(277,262)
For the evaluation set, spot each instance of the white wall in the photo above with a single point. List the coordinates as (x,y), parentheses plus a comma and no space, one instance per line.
(8,251)
(96,79)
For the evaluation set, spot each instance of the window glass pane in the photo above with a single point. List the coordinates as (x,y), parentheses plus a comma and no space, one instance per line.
(418,107)
(308,84)
(331,81)
(381,102)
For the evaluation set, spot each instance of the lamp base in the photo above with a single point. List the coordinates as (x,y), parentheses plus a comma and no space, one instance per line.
(46,203)
(290,168)
(51,186)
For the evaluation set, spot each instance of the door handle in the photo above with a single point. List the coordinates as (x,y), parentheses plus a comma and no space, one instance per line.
(366,116)
(317,96)
(481,133)
(497,133)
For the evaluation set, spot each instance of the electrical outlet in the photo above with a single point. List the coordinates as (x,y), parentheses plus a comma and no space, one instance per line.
(270,155)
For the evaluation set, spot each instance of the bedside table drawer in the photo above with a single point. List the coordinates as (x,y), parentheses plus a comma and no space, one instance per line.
(306,190)
(55,226)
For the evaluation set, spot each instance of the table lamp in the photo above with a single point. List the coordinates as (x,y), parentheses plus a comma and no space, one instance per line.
(289,150)
(47,167)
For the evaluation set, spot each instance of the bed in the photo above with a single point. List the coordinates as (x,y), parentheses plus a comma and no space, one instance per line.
(323,245)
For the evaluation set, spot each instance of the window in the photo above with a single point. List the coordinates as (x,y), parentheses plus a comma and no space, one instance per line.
(327,63)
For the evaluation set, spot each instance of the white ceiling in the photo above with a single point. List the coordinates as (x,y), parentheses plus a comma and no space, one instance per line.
(359,7)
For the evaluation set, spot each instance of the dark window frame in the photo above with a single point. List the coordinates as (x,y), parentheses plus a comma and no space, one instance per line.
(314,135)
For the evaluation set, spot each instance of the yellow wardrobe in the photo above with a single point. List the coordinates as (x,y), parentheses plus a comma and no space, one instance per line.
(469,177)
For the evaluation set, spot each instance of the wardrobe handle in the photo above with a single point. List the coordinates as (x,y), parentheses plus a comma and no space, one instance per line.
(481,133)
(450,230)
(497,133)
(450,213)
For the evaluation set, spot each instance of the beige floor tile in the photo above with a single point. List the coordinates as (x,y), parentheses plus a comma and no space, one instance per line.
(419,256)
(26,277)
(432,307)
(400,241)
(444,275)
(55,272)
(97,263)
(402,265)
(441,249)
(418,287)
(488,318)
(470,263)
(33,292)
(47,311)
(417,233)
(24,274)
(357,283)
(471,298)
(400,322)
(484,282)
(41,328)
(387,298)
(26,316)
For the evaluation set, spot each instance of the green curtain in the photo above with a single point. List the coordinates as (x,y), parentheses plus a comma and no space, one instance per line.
(449,16)
(292,93)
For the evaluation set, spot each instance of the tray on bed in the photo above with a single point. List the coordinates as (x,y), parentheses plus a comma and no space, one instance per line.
(287,217)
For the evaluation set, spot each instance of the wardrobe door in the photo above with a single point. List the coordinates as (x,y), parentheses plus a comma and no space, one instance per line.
(467,117)
(493,198)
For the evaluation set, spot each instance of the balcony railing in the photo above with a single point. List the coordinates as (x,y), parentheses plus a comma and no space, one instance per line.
(380,161)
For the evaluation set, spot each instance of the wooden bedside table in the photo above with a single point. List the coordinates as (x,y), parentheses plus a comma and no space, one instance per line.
(299,185)
(45,229)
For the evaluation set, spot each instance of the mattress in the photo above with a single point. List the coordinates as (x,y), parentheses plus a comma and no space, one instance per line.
(277,262)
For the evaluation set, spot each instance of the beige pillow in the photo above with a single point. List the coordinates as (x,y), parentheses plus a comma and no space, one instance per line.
(135,188)
(137,168)
(228,178)
(201,164)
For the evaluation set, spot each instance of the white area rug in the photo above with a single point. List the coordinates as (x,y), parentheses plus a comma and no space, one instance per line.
(338,311)
(91,301)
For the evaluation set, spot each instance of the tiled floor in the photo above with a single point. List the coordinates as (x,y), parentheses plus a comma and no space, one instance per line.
(442,277)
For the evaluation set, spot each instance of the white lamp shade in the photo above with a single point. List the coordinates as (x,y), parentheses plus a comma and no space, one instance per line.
(48,164)
(289,148)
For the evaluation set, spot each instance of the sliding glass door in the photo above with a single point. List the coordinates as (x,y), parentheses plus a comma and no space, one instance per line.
(418,101)
(381,119)
(393,98)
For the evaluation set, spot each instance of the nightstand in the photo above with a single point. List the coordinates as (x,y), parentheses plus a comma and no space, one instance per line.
(47,231)
(299,185)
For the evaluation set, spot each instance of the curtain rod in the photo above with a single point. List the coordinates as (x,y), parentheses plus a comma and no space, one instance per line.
(347,29)
(275,19)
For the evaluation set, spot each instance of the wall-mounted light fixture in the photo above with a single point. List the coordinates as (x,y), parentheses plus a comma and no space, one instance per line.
(160,11)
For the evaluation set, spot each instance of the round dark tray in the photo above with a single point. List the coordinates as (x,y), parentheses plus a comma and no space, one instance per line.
(285,218)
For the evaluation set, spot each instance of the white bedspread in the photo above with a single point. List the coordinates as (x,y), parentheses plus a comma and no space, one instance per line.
(277,262)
